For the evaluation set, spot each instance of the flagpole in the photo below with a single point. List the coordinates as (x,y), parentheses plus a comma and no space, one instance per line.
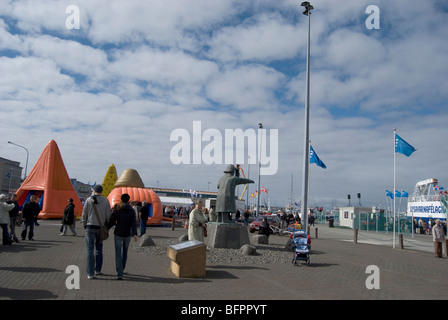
(306,147)
(393,192)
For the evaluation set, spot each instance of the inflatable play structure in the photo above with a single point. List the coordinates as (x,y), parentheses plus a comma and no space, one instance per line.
(139,195)
(109,180)
(130,182)
(50,182)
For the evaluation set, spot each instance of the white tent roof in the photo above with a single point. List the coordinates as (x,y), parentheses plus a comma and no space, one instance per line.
(176,201)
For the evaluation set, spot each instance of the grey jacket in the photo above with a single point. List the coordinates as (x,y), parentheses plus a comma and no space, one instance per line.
(88,213)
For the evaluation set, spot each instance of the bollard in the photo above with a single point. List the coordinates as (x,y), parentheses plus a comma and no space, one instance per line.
(172,223)
(316,232)
(446,248)
(356,236)
(400,237)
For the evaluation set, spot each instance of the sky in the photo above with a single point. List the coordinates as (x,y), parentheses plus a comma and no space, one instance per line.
(143,84)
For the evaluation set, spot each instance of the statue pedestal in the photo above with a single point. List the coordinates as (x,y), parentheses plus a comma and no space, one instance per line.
(226,235)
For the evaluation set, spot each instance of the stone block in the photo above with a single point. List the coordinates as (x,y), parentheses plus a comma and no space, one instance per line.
(260,239)
(188,259)
(146,241)
(248,250)
(226,235)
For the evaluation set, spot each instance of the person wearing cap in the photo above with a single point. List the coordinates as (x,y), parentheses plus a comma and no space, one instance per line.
(123,218)
(438,236)
(92,227)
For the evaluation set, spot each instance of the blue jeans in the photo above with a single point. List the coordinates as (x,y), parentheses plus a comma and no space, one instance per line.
(94,261)
(121,253)
(142,227)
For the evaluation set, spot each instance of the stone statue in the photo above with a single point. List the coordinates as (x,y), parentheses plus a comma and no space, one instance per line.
(225,202)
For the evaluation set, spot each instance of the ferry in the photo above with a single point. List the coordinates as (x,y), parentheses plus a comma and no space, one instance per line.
(428,202)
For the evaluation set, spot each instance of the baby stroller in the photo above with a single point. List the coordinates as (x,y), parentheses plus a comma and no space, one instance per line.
(302,247)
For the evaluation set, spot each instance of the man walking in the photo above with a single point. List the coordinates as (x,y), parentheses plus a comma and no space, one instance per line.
(438,236)
(143,216)
(92,227)
(13,216)
(30,212)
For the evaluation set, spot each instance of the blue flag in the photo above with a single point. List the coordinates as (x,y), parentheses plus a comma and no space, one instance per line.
(397,194)
(389,194)
(315,159)
(404,194)
(402,146)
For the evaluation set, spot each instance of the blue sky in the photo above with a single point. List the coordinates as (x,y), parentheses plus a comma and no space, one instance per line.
(135,71)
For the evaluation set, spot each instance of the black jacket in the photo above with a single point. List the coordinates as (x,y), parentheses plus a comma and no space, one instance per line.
(124,221)
(69,214)
(30,210)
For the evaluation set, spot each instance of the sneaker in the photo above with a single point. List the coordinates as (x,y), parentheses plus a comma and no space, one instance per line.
(90,277)
(119,278)
(98,273)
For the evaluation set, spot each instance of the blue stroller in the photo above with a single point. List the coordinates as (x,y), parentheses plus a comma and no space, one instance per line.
(301,247)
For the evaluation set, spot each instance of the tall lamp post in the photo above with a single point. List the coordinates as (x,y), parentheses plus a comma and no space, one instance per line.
(260,126)
(306,149)
(27,154)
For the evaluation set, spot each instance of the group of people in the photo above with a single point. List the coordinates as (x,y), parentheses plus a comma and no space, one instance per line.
(10,218)
(425,227)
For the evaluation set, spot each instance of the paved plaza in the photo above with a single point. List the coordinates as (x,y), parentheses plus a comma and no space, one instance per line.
(37,270)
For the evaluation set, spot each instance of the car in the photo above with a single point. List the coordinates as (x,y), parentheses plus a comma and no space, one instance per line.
(273,220)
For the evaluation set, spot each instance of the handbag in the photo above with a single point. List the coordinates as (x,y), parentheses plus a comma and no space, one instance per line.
(104,232)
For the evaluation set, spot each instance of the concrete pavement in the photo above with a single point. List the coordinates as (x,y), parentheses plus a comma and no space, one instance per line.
(339,270)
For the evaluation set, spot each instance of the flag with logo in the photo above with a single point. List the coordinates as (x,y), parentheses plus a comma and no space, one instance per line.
(401,146)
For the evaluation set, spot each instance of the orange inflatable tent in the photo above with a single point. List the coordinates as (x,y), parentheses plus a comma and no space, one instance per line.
(139,195)
(49,179)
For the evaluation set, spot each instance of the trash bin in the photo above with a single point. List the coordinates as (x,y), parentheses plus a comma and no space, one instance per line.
(331,223)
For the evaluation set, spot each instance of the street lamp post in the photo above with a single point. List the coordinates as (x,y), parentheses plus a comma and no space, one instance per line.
(306,149)
(260,126)
(27,154)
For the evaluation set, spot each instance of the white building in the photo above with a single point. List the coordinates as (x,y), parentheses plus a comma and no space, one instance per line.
(349,216)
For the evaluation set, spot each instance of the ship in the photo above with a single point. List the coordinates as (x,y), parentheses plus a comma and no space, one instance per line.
(429,201)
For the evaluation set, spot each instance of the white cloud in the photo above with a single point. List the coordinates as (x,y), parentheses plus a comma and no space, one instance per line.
(248,86)
(267,37)
(113,91)
(31,75)
(69,55)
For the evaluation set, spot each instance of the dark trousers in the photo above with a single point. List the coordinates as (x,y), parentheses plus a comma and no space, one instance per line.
(26,224)
(6,240)
(438,249)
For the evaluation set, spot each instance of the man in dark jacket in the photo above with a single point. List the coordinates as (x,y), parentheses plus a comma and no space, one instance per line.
(143,216)
(30,212)
(13,216)
(68,218)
